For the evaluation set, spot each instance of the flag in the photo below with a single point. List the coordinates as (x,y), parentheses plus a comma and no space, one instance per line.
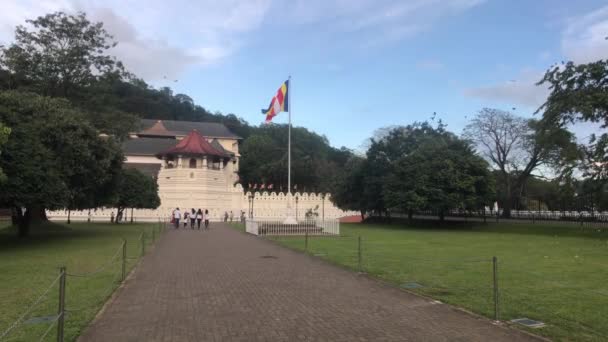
(263,186)
(270,187)
(295,187)
(279,103)
(255,186)
(249,186)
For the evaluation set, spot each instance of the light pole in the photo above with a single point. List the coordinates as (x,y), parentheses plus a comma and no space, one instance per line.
(323,207)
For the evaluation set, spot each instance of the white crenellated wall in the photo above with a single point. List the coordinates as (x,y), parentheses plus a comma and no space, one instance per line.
(218,192)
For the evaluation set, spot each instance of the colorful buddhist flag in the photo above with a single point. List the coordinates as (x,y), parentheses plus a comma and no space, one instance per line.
(279,103)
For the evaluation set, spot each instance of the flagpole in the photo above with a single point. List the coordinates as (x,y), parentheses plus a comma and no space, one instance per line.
(290,218)
(289,104)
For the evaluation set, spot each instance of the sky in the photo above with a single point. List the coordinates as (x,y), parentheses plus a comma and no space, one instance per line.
(356,65)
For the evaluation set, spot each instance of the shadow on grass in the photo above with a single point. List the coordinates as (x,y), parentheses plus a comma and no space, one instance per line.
(50,232)
(505,227)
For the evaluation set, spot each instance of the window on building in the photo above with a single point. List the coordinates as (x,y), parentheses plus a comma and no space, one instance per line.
(192,163)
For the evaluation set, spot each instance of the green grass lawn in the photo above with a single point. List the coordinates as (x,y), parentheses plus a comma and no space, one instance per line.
(29,266)
(555,274)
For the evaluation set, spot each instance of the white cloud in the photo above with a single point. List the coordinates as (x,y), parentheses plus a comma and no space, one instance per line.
(382,20)
(157,39)
(584,38)
(160,38)
(520,91)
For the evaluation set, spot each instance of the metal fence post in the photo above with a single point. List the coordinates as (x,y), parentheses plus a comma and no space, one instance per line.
(359,254)
(495,279)
(61,307)
(306,239)
(124,259)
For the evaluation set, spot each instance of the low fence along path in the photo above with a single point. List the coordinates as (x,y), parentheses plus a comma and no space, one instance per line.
(224,285)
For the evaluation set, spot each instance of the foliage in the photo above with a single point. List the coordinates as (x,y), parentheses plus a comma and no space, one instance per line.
(136,190)
(578,93)
(348,190)
(61,53)
(314,163)
(411,168)
(440,172)
(4,133)
(517,147)
(53,158)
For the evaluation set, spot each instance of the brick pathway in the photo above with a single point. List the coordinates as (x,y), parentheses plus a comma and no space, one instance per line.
(214,286)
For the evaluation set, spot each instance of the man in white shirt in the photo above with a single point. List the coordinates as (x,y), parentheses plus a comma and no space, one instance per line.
(176,216)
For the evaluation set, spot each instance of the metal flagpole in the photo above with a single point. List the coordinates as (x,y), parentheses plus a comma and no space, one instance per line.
(289,134)
(290,219)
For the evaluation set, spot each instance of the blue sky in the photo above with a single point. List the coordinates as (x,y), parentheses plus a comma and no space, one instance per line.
(356,65)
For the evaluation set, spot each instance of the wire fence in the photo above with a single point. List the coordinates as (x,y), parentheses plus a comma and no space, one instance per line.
(570,300)
(583,218)
(53,308)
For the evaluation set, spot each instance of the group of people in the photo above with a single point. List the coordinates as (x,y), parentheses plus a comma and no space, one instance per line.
(194,217)
(231,216)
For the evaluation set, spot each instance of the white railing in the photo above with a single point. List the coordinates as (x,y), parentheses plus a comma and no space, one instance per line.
(310,227)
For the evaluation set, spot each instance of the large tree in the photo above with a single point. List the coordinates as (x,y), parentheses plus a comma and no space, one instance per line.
(53,158)
(63,55)
(440,172)
(579,93)
(4,133)
(135,190)
(517,147)
(314,161)
(348,187)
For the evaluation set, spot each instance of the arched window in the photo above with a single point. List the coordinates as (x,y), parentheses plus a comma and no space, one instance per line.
(192,163)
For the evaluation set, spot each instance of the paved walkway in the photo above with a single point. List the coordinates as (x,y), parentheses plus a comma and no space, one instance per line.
(215,286)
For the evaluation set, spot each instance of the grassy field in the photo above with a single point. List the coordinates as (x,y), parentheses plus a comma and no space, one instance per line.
(555,274)
(28,267)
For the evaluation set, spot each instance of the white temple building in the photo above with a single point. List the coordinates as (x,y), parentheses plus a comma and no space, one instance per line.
(196,166)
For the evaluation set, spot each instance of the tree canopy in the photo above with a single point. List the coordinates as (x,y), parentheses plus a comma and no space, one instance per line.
(135,190)
(54,158)
(415,167)
(517,147)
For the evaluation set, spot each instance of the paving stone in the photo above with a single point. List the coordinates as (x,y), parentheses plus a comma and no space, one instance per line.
(215,286)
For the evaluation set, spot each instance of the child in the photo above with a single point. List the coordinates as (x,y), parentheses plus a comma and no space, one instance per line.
(186,218)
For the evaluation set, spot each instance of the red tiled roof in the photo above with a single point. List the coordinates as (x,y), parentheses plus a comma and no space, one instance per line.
(194,145)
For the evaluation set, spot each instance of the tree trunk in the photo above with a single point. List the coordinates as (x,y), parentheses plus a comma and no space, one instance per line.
(362,215)
(131,215)
(69,214)
(508,204)
(23,223)
(410,215)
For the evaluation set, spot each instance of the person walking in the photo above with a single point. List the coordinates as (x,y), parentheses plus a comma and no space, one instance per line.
(186,218)
(192,218)
(225,216)
(231,216)
(199,218)
(177,215)
(206,217)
